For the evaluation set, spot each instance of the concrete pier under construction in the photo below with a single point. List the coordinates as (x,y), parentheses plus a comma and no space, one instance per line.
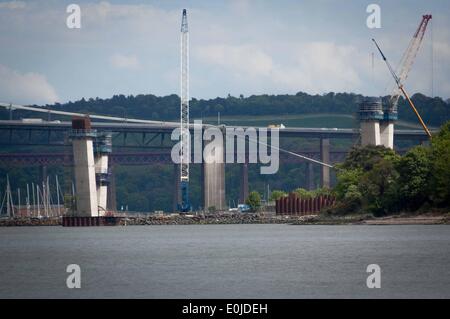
(214,179)
(84,167)
(102,149)
(370,114)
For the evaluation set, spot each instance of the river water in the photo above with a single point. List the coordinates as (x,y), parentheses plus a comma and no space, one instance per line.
(226,261)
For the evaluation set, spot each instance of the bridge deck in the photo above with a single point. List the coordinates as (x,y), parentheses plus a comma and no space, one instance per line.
(167,128)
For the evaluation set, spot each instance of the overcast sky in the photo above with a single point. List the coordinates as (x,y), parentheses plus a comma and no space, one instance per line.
(236,47)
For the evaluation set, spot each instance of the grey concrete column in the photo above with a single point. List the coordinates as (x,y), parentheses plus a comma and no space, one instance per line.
(370,133)
(43,174)
(325,158)
(387,134)
(176,183)
(84,166)
(111,198)
(214,182)
(244,183)
(309,174)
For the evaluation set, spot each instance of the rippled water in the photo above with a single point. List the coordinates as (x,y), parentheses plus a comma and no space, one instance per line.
(226,261)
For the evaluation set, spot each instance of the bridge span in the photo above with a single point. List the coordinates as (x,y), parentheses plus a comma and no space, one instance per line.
(153,131)
(168,127)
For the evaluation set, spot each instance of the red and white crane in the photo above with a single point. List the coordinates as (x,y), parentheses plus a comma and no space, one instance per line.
(404,67)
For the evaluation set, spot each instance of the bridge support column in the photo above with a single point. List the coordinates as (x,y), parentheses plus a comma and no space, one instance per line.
(214,178)
(325,158)
(370,133)
(309,174)
(102,149)
(111,198)
(43,173)
(244,183)
(84,167)
(176,182)
(387,134)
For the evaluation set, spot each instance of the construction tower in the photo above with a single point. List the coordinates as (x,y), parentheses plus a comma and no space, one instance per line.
(185,140)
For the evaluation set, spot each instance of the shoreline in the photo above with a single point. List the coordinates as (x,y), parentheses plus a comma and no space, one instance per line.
(233,219)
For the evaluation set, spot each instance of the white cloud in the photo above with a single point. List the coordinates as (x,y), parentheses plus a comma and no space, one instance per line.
(242,60)
(320,67)
(12,5)
(121,61)
(236,47)
(240,6)
(27,88)
(314,67)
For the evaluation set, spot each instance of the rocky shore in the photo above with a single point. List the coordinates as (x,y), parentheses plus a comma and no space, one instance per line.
(175,219)
(210,219)
(30,221)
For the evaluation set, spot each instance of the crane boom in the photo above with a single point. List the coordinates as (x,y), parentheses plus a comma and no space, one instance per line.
(407,60)
(402,90)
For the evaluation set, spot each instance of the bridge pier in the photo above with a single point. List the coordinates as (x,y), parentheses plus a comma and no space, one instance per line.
(111,197)
(43,173)
(370,114)
(309,174)
(387,134)
(176,182)
(84,166)
(102,149)
(214,179)
(244,183)
(325,158)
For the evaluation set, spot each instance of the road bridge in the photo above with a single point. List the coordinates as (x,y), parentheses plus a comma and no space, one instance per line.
(154,134)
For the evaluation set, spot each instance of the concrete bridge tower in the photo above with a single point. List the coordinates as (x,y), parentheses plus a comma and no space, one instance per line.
(102,149)
(370,114)
(82,137)
(214,178)
(390,115)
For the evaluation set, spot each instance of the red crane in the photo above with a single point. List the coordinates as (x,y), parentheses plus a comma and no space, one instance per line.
(404,67)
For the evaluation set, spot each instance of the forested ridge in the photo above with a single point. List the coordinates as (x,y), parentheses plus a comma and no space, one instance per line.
(434,110)
(151,188)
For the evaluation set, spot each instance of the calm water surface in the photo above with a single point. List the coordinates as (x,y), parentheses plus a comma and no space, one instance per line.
(226,261)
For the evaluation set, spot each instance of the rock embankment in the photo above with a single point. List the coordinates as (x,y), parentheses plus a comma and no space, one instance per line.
(175,219)
(208,219)
(30,221)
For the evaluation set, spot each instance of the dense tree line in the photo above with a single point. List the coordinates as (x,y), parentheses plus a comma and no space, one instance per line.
(433,110)
(376,180)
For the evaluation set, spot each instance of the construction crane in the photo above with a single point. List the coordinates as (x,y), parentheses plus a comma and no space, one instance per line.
(185,153)
(404,68)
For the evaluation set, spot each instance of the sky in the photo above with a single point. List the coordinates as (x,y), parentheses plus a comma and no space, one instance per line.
(236,47)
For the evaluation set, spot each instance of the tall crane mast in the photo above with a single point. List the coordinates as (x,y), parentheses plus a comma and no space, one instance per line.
(404,68)
(185,153)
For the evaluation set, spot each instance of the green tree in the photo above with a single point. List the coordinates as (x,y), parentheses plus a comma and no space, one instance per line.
(366,157)
(303,193)
(345,179)
(378,187)
(254,201)
(440,156)
(414,170)
(276,194)
(367,180)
